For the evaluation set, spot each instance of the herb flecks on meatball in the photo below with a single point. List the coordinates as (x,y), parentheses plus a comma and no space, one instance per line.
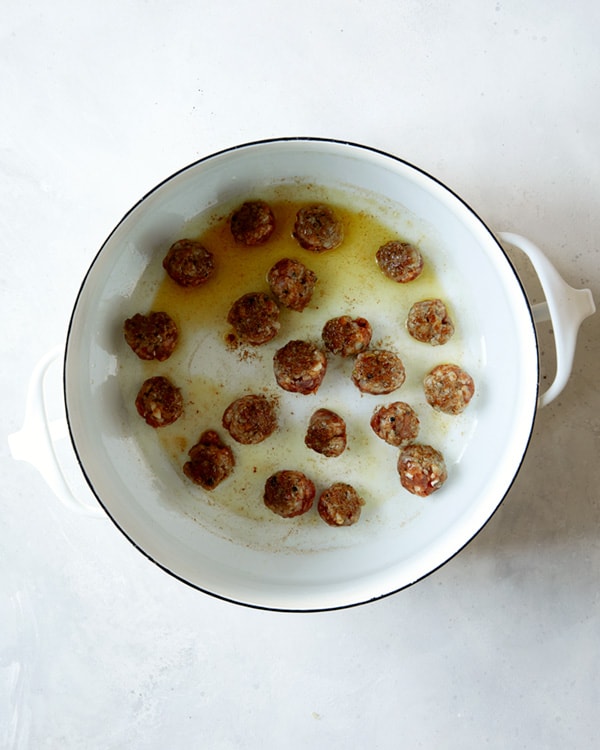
(250,419)
(448,388)
(289,493)
(252,223)
(326,433)
(318,229)
(189,263)
(255,318)
(299,367)
(400,261)
(292,283)
(378,371)
(422,469)
(152,336)
(346,336)
(428,321)
(210,461)
(340,505)
(159,402)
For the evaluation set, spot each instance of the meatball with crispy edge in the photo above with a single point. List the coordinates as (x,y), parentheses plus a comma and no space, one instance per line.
(299,367)
(211,461)
(448,388)
(292,283)
(159,402)
(396,423)
(428,321)
(252,223)
(400,261)
(289,493)
(340,505)
(189,263)
(250,419)
(326,433)
(422,469)
(378,371)
(255,318)
(318,229)
(346,336)
(152,336)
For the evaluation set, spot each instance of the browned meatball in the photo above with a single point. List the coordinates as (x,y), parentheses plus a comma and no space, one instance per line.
(255,318)
(189,263)
(400,261)
(289,493)
(159,402)
(292,283)
(340,505)
(250,419)
(211,461)
(448,388)
(152,336)
(252,223)
(378,371)
(346,336)
(318,229)
(326,433)
(300,367)
(395,423)
(428,321)
(422,469)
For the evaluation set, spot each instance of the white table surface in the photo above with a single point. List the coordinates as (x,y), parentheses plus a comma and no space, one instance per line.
(99,649)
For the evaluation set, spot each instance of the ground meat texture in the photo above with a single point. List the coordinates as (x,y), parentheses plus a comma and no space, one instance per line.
(250,419)
(340,505)
(252,223)
(300,367)
(318,229)
(395,423)
(448,388)
(428,321)
(378,371)
(255,318)
(422,469)
(400,261)
(289,493)
(326,433)
(189,263)
(152,336)
(346,336)
(292,283)
(159,402)
(211,461)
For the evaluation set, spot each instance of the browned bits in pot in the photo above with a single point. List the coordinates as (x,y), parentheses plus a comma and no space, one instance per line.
(252,223)
(345,336)
(255,318)
(292,283)
(289,493)
(378,371)
(159,402)
(326,433)
(318,229)
(152,336)
(428,321)
(448,388)
(211,461)
(400,261)
(422,469)
(396,423)
(250,419)
(340,505)
(189,263)
(299,367)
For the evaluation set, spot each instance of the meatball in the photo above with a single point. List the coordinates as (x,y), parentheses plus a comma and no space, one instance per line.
(318,229)
(346,336)
(400,261)
(428,321)
(211,461)
(326,433)
(289,493)
(340,505)
(255,318)
(292,283)
(189,263)
(299,367)
(378,371)
(448,388)
(152,336)
(252,223)
(422,469)
(250,419)
(159,402)
(395,423)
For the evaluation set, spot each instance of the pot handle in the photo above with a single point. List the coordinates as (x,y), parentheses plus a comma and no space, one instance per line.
(564,306)
(36,442)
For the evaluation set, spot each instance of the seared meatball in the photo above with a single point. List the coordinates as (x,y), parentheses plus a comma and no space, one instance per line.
(326,433)
(189,263)
(159,402)
(152,336)
(422,469)
(340,505)
(400,261)
(255,318)
(292,283)
(378,371)
(252,223)
(289,493)
(250,419)
(318,229)
(395,423)
(299,367)
(448,388)
(211,461)
(346,336)
(428,321)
